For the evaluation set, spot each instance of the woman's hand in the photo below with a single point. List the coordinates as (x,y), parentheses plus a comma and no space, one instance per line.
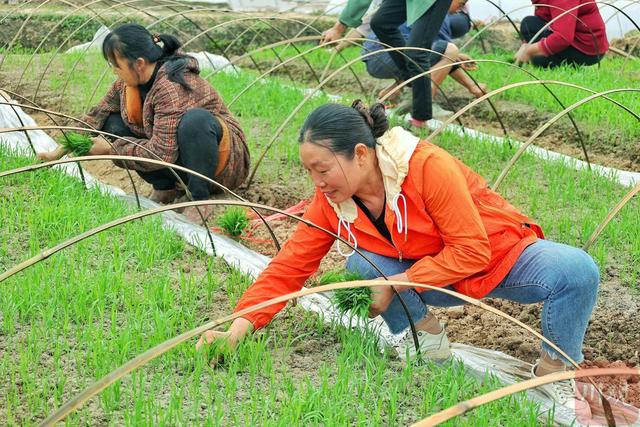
(226,341)
(334,33)
(469,66)
(527,51)
(48,156)
(101,147)
(522,55)
(383,295)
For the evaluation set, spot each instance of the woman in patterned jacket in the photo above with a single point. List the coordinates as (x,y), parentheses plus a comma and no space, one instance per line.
(166,111)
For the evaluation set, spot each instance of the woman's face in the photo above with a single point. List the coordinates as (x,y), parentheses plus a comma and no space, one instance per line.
(336,176)
(124,71)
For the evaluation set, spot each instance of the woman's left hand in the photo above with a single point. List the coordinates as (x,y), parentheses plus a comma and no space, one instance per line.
(383,295)
(101,147)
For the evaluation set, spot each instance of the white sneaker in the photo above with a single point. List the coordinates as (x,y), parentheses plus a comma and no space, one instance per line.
(432,347)
(566,394)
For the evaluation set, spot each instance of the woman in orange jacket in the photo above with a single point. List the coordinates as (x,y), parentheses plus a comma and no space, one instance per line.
(422,216)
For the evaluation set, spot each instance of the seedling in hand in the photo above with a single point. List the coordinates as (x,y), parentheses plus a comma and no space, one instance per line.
(355,300)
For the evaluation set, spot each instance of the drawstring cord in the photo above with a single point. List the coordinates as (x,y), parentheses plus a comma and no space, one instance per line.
(401,223)
(350,236)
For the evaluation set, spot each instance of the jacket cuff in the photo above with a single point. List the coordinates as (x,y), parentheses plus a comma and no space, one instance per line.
(545,48)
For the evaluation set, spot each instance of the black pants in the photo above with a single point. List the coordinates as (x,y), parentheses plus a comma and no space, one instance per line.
(198,136)
(530,25)
(385,23)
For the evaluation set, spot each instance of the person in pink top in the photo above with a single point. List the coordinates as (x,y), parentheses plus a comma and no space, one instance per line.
(576,35)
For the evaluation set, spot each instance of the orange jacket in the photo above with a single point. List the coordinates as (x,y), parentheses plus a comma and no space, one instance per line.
(461,232)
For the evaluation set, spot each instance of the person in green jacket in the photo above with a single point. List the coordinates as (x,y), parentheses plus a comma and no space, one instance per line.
(425,18)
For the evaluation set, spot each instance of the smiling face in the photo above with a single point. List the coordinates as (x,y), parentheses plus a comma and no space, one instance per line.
(336,176)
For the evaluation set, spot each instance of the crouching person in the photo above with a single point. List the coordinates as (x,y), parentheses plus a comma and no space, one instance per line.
(167,112)
(425,217)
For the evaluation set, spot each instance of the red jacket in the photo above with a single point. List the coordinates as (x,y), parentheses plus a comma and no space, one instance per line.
(582,28)
(462,233)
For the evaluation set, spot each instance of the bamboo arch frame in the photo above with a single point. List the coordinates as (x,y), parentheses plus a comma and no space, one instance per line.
(614,211)
(13,108)
(206,33)
(620,11)
(50,115)
(549,123)
(130,4)
(506,14)
(75,9)
(117,6)
(254,206)
(594,233)
(400,86)
(314,48)
(464,407)
(264,20)
(9,46)
(162,348)
(172,167)
(313,71)
(515,85)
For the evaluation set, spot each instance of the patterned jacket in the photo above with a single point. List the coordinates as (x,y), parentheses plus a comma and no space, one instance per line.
(163,108)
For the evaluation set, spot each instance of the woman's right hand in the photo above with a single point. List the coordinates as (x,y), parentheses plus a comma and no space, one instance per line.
(228,340)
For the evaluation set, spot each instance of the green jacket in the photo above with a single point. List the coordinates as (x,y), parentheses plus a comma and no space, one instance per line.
(353,12)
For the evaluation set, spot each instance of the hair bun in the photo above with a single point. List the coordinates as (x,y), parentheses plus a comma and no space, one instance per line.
(375,116)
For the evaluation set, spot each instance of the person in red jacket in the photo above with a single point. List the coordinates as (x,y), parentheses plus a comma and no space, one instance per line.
(422,216)
(577,35)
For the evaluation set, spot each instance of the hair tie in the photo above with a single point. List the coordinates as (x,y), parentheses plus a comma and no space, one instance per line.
(156,38)
(359,106)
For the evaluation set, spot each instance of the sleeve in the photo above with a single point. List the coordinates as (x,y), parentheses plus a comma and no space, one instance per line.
(445,30)
(110,103)
(564,28)
(298,259)
(448,201)
(353,12)
(167,111)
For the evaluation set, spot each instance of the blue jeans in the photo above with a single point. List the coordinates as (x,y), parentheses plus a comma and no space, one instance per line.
(564,278)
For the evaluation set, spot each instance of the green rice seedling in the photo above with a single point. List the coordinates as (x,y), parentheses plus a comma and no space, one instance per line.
(233,221)
(356,300)
(75,143)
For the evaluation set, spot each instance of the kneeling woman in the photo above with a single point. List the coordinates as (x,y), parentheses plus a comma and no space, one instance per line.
(170,113)
(422,216)
(577,35)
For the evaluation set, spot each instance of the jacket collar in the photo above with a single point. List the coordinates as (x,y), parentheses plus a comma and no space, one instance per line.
(394,150)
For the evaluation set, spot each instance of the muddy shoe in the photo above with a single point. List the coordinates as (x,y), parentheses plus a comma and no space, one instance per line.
(432,347)
(164,197)
(566,394)
(439,113)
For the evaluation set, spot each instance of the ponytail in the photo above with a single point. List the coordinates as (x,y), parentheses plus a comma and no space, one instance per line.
(133,41)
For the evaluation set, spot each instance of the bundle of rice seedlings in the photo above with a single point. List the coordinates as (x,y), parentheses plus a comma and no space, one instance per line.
(233,221)
(76,143)
(355,300)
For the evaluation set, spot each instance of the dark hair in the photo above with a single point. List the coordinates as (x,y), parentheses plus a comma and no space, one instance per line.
(133,41)
(341,128)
